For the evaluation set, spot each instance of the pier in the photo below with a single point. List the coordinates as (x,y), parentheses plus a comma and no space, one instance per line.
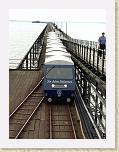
(32,117)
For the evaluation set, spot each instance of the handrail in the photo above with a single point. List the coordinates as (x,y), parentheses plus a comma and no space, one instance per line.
(88,56)
(30,56)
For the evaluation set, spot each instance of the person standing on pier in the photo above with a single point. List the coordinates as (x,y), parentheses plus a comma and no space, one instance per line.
(102,44)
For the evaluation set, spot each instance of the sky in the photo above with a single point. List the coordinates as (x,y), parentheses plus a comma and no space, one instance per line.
(58,15)
(86,30)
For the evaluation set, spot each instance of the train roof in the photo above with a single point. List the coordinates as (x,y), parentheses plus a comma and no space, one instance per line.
(51,33)
(61,49)
(57,53)
(54,40)
(54,45)
(58,60)
(52,36)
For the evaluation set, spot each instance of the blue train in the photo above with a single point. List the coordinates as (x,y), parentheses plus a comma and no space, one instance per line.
(59,72)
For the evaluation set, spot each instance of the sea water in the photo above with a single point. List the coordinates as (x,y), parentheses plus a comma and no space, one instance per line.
(22,35)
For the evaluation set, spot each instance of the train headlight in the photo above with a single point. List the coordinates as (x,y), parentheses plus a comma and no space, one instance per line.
(68,100)
(53,85)
(65,85)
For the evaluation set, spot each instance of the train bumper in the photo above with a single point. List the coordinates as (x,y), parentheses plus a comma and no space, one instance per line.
(58,95)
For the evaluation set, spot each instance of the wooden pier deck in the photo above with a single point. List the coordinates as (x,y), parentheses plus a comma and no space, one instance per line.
(20,85)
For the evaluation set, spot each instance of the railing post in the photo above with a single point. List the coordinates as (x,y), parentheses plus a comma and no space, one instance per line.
(84,51)
(27,62)
(93,57)
(103,62)
(87,54)
(33,54)
(35,49)
(97,61)
(80,50)
(30,59)
(88,94)
(90,56)
(96,102)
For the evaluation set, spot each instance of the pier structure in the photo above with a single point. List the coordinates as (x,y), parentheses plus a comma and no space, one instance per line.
(32,117)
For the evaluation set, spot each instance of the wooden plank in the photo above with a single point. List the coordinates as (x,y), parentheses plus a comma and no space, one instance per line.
(20,85)
(36,131)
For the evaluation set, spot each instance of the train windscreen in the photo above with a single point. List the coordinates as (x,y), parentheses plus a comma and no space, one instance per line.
(59,73)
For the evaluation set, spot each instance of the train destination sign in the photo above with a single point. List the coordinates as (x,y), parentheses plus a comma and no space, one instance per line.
(59,81)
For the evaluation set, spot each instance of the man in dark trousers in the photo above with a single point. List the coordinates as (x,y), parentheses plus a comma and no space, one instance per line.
(102,44)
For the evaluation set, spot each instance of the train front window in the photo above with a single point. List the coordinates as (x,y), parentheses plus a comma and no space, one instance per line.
(59,73)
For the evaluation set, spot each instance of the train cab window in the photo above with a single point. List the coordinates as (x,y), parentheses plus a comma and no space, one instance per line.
(60,73)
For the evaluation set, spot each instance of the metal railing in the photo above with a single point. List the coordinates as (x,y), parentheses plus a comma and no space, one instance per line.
(87,52)
(89,56)
(93,101)
(32,60)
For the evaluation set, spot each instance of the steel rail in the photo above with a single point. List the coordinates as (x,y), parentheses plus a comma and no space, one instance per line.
(72,123)
(78,115)
(51,136)
(29,118)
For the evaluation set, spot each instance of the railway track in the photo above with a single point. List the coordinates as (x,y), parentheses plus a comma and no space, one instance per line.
(35,118)
(21,116)
(64,122)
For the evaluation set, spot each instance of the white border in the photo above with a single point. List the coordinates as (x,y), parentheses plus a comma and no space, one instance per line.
(5,142)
